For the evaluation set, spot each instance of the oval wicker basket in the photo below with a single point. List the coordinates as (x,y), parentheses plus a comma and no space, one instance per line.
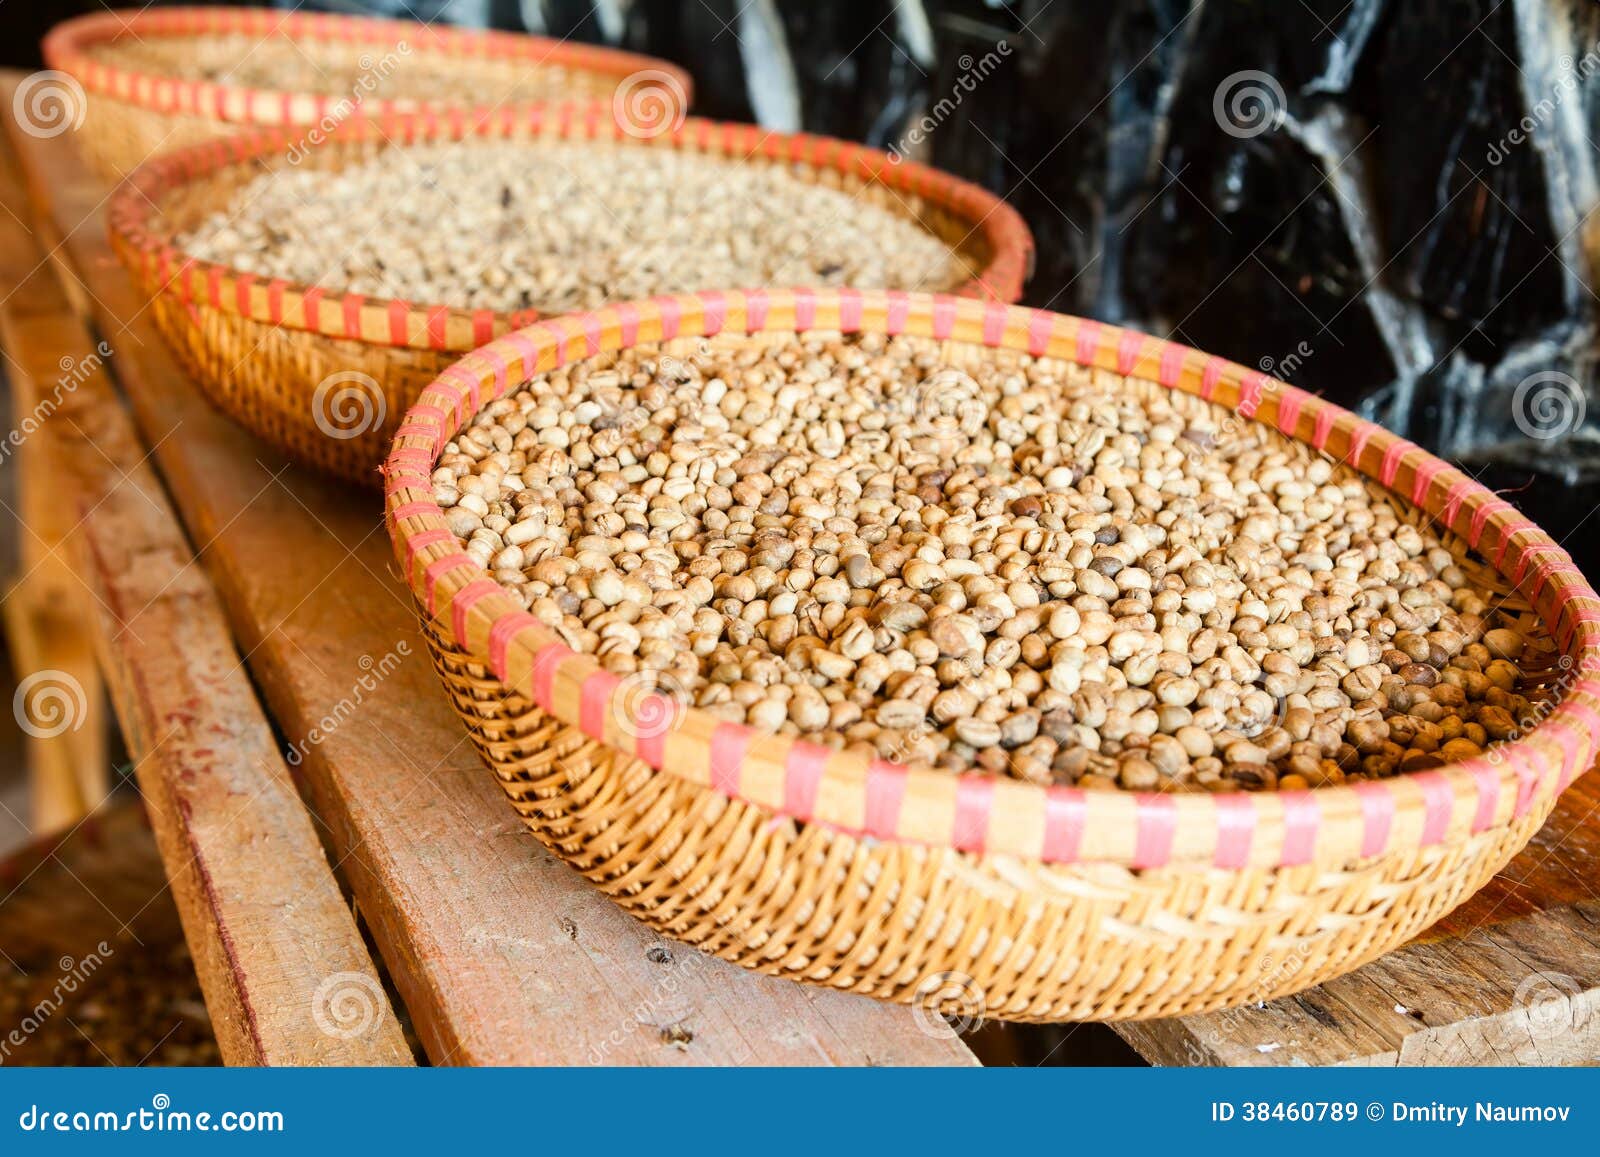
(972,891)
(129,115)
(282,359)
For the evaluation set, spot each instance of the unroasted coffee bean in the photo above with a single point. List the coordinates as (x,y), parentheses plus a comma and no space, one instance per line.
(589,224)
(1013,566)
(354,70)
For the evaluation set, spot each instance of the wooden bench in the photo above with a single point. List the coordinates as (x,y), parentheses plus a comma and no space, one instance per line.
(499,954)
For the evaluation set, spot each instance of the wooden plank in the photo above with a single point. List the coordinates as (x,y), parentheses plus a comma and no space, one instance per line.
(67,772)
(278,953)
(501,953)
(45,604)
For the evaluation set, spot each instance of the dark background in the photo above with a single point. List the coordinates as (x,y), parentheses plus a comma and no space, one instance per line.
(1380,241)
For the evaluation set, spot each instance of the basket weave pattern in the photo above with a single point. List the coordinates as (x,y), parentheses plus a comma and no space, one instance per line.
(260,347)
(130,115)
(1052,903)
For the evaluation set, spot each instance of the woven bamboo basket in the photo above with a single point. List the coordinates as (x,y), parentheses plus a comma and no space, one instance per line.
(974,893)
(127,112)
(325,377)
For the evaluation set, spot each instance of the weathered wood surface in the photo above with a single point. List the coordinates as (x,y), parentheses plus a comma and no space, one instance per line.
(45,604)
(283,967)
(500,952)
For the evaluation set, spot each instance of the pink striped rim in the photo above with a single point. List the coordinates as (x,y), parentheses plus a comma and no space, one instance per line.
(65,48)
(544,676)
(1066,811)
(594,696)
(729,743)
(886,793)
(849,792)
(803,772)
(1153,834)
(134,211)
(1289,402)
(1302,816)
(974,806)
(1236,825)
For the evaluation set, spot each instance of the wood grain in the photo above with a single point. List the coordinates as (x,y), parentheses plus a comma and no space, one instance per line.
(45,604)
(272,937)
(501,953)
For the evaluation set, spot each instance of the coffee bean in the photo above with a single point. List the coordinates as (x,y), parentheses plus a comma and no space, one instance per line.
(989,568)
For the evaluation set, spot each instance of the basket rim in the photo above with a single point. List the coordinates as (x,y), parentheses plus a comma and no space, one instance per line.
(65,46)
(976,812)
(398,323)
